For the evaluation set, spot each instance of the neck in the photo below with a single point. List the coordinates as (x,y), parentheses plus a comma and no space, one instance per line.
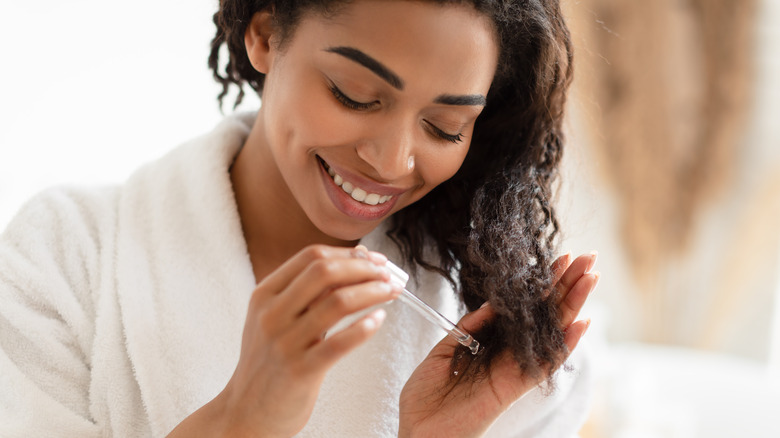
(274,225)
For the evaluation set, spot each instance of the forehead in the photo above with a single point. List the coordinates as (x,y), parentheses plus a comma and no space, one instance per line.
(423,42)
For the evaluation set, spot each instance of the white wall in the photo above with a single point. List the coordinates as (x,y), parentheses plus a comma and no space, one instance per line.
(89,89)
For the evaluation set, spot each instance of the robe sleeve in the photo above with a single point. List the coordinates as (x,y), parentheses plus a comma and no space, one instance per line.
(49,276)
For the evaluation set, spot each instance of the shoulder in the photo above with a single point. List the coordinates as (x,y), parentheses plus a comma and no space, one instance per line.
(58,239)
(62,213)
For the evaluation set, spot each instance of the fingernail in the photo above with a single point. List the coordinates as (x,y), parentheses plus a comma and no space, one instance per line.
(587,326)
(485,304)
(377,257)
(593,256)
(564,259)
(387,276)
(375,319)
(395,289)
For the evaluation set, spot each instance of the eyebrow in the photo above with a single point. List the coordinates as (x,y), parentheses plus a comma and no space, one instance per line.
(393,79)
(466,100)
(370,63)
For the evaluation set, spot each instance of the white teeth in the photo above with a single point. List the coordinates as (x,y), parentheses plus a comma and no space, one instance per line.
(357,193)
(372,199)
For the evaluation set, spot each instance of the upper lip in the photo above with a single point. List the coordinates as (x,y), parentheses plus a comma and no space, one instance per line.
(366,184)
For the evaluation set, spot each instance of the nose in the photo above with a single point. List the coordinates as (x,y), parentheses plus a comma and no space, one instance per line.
(390,152)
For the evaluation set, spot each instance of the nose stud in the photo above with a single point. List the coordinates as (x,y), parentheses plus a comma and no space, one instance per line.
(410,162)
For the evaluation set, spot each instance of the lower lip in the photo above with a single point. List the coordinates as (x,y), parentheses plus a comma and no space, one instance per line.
(350,207)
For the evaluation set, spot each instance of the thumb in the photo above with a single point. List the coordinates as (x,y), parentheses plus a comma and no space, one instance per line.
(471,323)
(474,321)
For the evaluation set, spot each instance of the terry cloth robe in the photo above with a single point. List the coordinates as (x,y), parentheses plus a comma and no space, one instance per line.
(122,310)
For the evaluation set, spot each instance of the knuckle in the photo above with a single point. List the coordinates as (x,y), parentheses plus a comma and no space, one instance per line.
(257,300)
(340,301)
(316,252)
(336,348)
(325,269)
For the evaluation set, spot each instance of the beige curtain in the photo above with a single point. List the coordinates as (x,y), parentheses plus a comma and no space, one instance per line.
(664,88)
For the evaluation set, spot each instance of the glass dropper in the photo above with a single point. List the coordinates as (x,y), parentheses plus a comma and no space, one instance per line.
(401,278)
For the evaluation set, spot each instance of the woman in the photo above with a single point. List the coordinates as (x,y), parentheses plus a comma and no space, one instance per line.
(220,291)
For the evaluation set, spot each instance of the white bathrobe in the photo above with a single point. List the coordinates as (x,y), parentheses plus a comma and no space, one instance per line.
(122,309)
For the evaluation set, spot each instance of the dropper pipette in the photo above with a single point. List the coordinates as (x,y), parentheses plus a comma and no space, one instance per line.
(401,278)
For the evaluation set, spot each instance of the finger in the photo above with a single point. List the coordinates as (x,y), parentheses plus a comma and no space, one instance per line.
(559,266)
(275,282)
(339,303)
(571,304)
(362,252)
(472,322)
(385,273)
(574,333)
(321,277)
(576,269)
(329,351)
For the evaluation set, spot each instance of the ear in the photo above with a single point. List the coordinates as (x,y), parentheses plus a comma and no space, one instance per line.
(258,39)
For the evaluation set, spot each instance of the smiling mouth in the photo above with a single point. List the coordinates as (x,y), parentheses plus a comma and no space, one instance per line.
(356,193)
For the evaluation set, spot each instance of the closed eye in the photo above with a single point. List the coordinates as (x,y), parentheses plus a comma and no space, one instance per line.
(454,138)
(350,103)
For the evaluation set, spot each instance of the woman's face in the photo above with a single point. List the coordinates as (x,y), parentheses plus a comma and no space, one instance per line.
(367,111)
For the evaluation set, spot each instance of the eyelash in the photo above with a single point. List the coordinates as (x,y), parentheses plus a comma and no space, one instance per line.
(457,138)
(361,106)
(349,103)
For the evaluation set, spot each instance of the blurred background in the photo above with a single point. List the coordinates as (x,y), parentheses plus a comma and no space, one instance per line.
(672,173)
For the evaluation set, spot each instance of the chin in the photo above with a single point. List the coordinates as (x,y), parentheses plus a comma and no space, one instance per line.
(346,233)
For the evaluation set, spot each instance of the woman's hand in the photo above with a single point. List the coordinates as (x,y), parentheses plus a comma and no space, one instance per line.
(429,407)
(284,352)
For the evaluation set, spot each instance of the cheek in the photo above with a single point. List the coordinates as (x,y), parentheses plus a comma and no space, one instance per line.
(315,119)
(297,112)
(440,166)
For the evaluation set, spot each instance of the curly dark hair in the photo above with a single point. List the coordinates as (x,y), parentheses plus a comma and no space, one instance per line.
(497,239)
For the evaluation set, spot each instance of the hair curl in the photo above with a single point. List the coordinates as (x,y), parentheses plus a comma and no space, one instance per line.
(499,243)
